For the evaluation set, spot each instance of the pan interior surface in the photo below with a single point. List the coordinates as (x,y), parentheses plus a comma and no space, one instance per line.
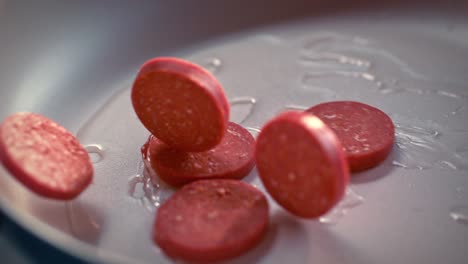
(409,63)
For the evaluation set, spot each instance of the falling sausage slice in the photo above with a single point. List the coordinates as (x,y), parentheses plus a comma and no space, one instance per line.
(301,164)
(366,133)
(232,158)
(44,156)
(211,220)
(181,104)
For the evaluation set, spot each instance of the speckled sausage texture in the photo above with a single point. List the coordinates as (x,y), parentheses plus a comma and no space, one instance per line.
(211,220)
(366,133)
(301,164)
(44,156)
(181,104)
(232,158)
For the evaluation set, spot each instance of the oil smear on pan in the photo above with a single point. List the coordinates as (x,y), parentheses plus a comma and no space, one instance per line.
(242,108)
(349,201)
(146,187)
(212,64)
(332,60)
(459,214)
(456,111)
(293,107)
(337,56)
(419,146)
(324,60)
(95,152)
(431,88)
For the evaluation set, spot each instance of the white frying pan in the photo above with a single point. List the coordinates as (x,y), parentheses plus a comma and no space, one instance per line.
(74,62)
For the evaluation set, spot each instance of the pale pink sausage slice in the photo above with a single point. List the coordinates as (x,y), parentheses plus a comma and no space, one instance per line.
(44,156)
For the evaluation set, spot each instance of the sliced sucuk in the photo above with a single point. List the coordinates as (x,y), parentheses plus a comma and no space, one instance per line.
(232,158)
(44,156)
(180,103)
(211,220)
(366,133)
(301,164)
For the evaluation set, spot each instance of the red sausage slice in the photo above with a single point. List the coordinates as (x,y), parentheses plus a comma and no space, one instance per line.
(181,104)
(211,220)
(232,158)
(366,133)
(44,156)
(301,164)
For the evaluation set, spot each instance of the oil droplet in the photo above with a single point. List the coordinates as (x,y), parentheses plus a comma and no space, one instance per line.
(399,164)
(135,186)
(145,186)
(321,57)
(353,74)
(242,108)
(330,40)
(150,189)
(386,90)
(295,107)
(446,93)
(349,201)
(460,214)
(212,64)
(456,111)
(95,152)
(254,130)
(448,164)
